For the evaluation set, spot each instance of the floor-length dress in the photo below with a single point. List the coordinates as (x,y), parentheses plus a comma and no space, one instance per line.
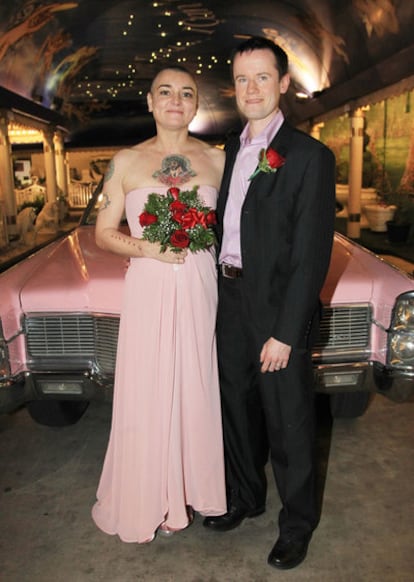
(165,449)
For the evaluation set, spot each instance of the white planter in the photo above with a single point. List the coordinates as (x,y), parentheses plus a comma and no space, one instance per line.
(368,196)
(378,216)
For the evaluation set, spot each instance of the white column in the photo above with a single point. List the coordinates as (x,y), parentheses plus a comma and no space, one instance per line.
(7,196)
(356,150)
(316,130)
(61,174)
(50,165)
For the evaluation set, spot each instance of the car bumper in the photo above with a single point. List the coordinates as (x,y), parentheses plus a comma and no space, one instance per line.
(395,384)
(15,392)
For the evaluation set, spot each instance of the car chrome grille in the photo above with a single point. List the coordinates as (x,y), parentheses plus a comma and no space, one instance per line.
(106,333)
(344,329)
(64,342)
(72,341)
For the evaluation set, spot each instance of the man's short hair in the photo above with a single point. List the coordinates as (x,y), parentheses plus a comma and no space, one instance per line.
(260,43)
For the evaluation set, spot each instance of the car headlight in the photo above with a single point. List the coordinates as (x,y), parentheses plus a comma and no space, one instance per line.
(401,332)
(4,356)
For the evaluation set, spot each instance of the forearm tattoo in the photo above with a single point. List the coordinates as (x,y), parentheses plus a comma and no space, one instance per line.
(129,241)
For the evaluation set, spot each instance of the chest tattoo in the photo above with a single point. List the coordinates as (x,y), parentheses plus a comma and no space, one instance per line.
(175,170)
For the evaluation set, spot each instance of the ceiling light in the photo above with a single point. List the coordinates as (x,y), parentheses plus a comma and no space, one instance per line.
(21,134)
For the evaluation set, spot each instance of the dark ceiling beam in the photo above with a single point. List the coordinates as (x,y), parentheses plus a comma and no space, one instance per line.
(358,89)
(29,112)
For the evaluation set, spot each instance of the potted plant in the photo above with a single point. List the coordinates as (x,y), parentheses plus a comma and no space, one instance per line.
(379,213)
(399,228)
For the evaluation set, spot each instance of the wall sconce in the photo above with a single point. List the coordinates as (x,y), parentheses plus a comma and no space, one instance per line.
(301,96)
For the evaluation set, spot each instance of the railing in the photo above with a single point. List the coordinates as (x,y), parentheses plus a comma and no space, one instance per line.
(78,197)
(29,194)
(80,193)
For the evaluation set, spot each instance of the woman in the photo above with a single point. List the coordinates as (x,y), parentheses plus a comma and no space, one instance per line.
(165,456)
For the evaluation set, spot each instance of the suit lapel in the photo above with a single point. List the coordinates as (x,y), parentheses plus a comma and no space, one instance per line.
(232,147)
(280,143)
(263,183)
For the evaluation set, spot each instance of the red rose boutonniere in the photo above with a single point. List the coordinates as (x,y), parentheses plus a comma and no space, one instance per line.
(178,220)
(269,161)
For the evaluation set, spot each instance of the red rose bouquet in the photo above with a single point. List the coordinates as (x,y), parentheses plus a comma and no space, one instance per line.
(178,220)
(269,161)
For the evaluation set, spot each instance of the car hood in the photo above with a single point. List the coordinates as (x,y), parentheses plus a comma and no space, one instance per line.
(75,275)
(358,275)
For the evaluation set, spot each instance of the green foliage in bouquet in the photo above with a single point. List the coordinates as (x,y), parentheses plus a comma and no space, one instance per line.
(178,220)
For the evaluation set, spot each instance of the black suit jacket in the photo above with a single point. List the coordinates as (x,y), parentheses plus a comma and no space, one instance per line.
(286,229)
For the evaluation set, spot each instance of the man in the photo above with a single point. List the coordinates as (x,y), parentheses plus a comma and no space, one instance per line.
(276,229)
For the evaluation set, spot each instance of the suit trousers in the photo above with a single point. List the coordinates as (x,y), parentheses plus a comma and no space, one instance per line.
(265,413)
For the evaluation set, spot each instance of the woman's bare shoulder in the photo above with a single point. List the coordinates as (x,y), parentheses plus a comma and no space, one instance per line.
(213,152)
(130,152)
(134,155)
(217,153)
(217,157)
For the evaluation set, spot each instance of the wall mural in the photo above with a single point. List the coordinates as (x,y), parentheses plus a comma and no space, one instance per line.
(26,61)
(388,145)
(68,55)
(378,16)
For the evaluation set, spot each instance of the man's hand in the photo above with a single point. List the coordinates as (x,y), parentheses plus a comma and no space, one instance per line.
(274,355)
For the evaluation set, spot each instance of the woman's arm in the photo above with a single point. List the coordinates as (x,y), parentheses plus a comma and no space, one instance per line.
(107,233)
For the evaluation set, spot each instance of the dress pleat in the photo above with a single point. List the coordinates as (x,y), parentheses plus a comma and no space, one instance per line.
(165,450)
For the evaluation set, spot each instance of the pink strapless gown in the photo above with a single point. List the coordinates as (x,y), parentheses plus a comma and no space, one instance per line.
(165,450)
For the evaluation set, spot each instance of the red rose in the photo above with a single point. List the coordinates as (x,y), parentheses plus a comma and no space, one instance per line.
(178,205)
(180,239)
(177,216)
(201,219)
(178,208)
(275,160)
(190,218)
(146,218)
(211,218)
(174,192)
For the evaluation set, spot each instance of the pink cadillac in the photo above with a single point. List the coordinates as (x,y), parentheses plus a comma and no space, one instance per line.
(59,317)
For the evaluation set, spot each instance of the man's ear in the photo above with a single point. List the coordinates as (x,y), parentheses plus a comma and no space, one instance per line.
(284,83)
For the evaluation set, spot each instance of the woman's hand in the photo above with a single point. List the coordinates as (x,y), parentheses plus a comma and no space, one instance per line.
(153,251)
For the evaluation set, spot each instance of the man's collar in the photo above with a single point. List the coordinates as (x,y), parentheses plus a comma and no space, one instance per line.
(266,135)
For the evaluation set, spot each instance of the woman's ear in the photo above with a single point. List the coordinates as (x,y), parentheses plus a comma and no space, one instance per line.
(149,102)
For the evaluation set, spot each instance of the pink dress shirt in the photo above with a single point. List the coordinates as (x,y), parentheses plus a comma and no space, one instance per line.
(245,164)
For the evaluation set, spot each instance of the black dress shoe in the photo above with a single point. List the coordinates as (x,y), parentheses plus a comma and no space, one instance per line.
(231,519)
(288,552)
